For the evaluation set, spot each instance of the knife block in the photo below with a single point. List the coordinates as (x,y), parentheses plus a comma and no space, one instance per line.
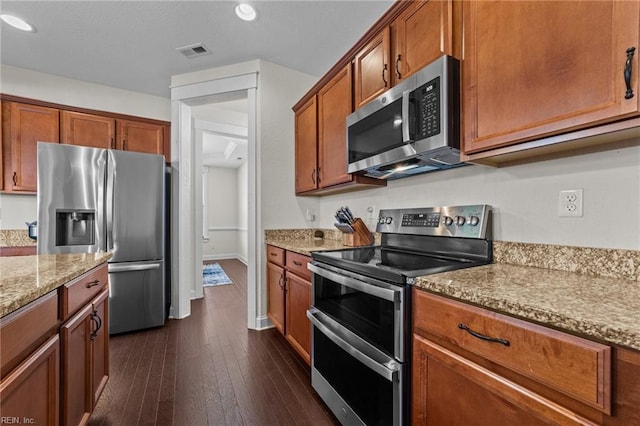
(361,235)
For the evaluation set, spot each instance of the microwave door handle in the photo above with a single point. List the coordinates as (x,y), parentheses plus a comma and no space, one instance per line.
(406,136)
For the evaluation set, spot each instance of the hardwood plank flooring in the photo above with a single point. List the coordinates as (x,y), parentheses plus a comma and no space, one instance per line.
(209,369)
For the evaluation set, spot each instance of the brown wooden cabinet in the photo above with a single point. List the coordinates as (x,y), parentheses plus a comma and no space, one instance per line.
(421,34)
(30,393)
(90,130)
(334,104)
(306,147)
(85,367)
(289,297)
(23,125)
(472,366)
(140,136)
(372,75)
(534,69)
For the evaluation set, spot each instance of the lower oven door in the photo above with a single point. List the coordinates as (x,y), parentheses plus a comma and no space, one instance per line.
(375,310)
(360,384)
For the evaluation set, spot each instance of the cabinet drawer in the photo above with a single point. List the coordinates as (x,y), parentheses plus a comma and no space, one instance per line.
(297,263)
(79,292)
(23,330)
(275,255)
(571,365)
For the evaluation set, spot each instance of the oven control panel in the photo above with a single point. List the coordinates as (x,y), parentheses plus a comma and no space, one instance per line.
(473,221)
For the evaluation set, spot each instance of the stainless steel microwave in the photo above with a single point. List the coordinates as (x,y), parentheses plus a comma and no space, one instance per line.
(412,128)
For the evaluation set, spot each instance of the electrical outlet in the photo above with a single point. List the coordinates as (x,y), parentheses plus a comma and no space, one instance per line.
(570,203)
(371,212)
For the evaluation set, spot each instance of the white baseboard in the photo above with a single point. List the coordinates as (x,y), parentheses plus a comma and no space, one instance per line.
(263,322)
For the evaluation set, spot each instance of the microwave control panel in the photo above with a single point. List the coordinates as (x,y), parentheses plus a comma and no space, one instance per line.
(427,100)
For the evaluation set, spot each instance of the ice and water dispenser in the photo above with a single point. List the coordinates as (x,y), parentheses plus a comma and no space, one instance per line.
(75,227)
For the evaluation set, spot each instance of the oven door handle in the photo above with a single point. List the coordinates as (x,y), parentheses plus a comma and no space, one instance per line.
(372,289)
(385,366)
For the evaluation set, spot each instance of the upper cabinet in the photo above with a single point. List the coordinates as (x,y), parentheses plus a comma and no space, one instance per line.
(372,74)
(90,130)
(306,147)
(535,69)
(23,125)
(421,34)
(139,136)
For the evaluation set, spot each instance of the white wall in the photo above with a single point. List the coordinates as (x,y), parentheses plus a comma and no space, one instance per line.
(222,214)
(243,212)
(525,198)
(16,209)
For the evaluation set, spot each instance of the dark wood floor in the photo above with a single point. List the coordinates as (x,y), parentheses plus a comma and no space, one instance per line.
(209,369)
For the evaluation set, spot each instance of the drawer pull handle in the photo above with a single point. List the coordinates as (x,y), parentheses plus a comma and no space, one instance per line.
(627,73)
(297,263)
(273,254)
(93,283)
(482,336)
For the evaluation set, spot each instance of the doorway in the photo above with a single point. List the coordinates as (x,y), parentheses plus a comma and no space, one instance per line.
(187,214)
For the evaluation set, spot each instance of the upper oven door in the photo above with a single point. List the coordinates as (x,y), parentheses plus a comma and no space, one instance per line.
(374,310)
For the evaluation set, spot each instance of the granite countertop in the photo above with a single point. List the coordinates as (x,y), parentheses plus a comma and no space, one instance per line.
(23,279)
(602,308)
(306,246)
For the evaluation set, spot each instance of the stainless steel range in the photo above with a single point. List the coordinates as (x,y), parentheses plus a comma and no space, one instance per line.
(361,313)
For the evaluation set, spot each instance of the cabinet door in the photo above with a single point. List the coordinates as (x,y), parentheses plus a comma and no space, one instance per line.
(25,126)
(534,69)
(87,130)
(372,73)
(30,393)
(77,394)
(138,136)
(298,325)
(306,147)
(275,295)
(448,389)
(334,104)
(100,345)
(423,33)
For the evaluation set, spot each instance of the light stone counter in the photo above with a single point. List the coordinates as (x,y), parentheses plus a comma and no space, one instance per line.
(23,279)
(601,308)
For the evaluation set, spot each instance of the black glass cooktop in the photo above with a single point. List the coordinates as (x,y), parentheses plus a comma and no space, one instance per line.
(397,266)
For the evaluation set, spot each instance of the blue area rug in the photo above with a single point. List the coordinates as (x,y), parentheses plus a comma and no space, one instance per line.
(212,274)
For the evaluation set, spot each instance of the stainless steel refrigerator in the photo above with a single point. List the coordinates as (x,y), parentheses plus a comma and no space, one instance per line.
(95,200)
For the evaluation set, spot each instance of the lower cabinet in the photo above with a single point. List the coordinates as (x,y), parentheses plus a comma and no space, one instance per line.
(472,366)
(289,297)
(84,363)
(30,393)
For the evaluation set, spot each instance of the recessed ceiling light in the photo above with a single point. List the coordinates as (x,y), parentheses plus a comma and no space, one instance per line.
(246,12)
(18,23)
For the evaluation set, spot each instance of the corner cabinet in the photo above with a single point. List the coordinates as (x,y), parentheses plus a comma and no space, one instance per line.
(289,297)
(472,366)
(23,125)
(537,82)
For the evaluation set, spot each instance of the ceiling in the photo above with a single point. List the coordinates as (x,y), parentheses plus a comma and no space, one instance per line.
(132,44)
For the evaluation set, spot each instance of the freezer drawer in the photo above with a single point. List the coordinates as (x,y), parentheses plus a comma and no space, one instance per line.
(137,296)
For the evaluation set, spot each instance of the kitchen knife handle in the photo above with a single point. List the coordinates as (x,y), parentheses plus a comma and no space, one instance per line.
(397,68)
(627,72)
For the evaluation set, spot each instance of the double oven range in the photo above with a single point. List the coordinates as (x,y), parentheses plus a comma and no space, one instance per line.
(361,307)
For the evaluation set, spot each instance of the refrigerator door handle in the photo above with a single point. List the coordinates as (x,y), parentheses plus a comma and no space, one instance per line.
(110,201)
(129,268)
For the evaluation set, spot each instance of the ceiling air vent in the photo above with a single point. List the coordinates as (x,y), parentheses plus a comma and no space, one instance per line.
(193,50)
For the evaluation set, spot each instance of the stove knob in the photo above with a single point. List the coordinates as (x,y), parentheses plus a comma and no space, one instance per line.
(448,220)
(381,220)
(473,221)
(460,220)
(389,220)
